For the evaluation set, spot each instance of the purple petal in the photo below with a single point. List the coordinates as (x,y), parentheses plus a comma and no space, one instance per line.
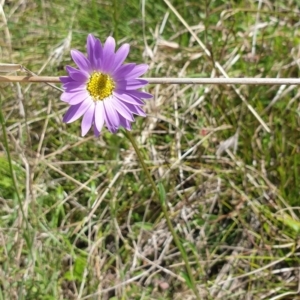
(109,46)
(74,87)
(125,123)
(109,126)
(96,131)
(135,109)
(137,71)
(122,109)
(78,97)
(107,118)
(98,55)
(140,94)
(88,119)
(76,111)
(121,55)
(131,84)
(111,114)
(81,61)
(66,79)
(77,75)
(99,116)
(123,70)
(72,90)
(128,99)
(108,54)
(136,99)
(90,44)
(66,97)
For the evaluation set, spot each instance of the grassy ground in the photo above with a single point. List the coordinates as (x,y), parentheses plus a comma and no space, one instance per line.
(232,186)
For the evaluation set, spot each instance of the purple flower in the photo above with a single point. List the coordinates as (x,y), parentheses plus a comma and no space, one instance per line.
(103,89)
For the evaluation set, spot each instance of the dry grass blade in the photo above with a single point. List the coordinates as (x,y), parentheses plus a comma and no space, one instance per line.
(217,65)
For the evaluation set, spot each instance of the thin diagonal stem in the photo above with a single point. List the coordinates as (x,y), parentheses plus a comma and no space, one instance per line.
(5,140)
(165,212)
(12,174)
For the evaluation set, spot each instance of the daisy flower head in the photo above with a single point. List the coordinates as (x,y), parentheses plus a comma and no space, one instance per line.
(103,90)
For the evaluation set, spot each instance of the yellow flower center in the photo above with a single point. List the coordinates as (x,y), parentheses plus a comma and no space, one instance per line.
(100,86)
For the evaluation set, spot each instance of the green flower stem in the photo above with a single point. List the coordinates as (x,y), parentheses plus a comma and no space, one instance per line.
(165,212)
